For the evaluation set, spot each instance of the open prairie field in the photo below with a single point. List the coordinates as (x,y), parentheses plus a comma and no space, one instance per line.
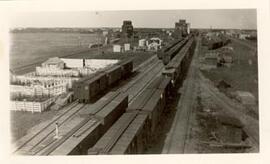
(29,48)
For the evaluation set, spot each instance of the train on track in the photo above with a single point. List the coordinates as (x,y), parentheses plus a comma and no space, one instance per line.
(87,88)
(162,51)
(177,67)
(136,128)
(80,128)
(215,42)
(114,124)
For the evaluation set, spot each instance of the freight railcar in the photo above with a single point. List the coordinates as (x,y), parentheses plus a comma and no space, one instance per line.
(136,128)
(127,67)
(173,51)
(87,88)
(82,130)
(161,52)
(217,43)
(177,67)
(127,136)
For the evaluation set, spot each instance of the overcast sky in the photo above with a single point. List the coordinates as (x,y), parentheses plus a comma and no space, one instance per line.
(232,18)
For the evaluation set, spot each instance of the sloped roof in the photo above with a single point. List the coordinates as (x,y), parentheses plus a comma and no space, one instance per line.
(53,60)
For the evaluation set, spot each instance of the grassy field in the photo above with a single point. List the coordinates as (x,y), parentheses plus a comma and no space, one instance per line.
(242,75)
(27,48)
(21,122)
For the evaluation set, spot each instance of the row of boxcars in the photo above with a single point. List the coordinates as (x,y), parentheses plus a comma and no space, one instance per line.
(212,45)
(95,118)
(170,53)
(215,42)
(166,48)
(136,128)
(177,67)
(87,88)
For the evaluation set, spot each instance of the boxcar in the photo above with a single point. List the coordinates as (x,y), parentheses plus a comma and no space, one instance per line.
(141,100)
(127,67)
(134,138)
(173,51)
(127,136)
(114,74)
(106,142)
(162,83)
(99,117)
(154,109)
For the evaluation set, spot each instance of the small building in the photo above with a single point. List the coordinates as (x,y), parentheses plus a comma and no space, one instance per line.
(153,44)
(54,62)
(105,33)
(127,47)
(142,42)
(117,48)
(243,36)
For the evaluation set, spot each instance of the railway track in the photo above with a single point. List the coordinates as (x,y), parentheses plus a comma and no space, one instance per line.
(37,130)
(175,142)
(31,143)
(49,128)
(131,98)
(128,89)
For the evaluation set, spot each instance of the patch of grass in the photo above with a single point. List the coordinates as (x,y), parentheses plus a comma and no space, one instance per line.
(21,122)
(241,75)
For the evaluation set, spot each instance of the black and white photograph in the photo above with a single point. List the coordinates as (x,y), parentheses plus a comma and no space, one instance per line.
(123,82)
(147,82)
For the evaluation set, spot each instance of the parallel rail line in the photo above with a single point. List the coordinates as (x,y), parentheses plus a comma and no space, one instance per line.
(50,126)
(81,125)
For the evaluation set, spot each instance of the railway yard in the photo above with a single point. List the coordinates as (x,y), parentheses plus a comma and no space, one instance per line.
(170,101)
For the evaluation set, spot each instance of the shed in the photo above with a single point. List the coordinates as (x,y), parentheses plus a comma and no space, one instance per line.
(127,47)
(142,42)
(116,48)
